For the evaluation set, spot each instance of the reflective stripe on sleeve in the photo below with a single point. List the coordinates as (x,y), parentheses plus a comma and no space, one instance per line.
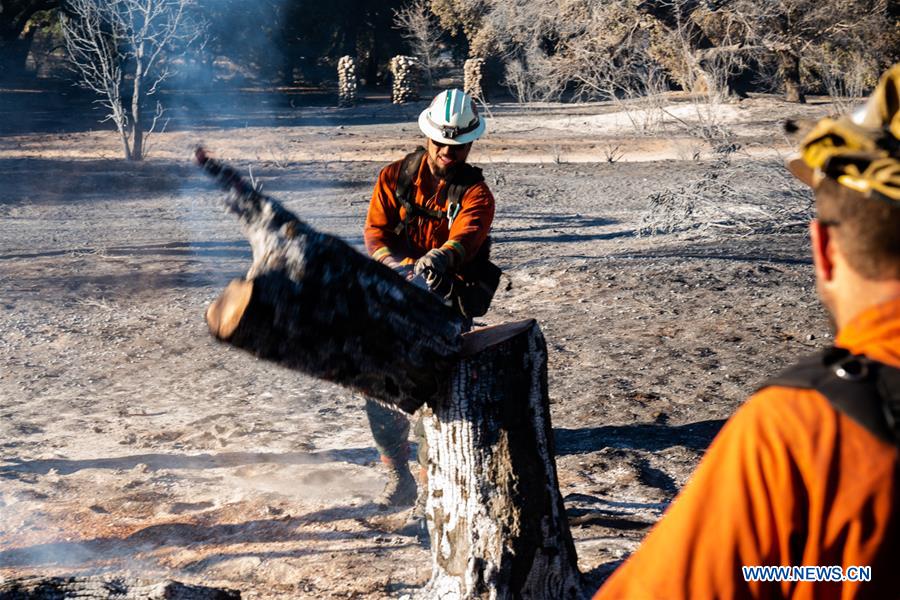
(380,253)
(456,247)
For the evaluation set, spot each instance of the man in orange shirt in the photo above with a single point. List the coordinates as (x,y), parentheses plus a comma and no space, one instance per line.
(806,472)
(429,218)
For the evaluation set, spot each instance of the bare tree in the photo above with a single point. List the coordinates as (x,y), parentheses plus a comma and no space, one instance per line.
(113,41)
(527,37)
(791,30)
(846,76)
(419,27)
(585,47)
(466,18)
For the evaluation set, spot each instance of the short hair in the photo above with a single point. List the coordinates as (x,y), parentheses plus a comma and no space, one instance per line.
(868,228)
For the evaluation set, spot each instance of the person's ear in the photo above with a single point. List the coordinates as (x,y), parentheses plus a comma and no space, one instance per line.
(823,250)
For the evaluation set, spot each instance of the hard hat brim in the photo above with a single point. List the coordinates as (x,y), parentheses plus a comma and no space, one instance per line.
(802,171)
(435,134)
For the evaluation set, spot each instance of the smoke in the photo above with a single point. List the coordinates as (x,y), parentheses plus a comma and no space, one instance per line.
(232,80)
(228,93)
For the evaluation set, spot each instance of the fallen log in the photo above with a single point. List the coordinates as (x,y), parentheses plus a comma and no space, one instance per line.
(312,303)
(107,588)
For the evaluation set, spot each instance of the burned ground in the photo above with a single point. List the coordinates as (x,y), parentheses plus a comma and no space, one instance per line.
(131,441)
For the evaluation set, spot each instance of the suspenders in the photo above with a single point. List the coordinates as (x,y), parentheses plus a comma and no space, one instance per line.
(864,389)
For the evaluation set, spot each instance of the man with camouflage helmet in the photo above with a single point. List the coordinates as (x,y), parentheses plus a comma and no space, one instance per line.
(805,474)
(429,218)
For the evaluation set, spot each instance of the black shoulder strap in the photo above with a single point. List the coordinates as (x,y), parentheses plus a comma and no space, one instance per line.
(408,169)
(865,390)
(403,192)
(464,179)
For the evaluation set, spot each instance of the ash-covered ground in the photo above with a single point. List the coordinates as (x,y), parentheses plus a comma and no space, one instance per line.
(131,441)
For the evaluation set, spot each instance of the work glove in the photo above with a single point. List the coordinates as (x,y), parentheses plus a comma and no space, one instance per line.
(405,270)
(437,261)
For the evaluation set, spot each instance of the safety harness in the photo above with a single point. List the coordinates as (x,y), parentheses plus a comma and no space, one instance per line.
(865,390)
(472,290)
(465,177)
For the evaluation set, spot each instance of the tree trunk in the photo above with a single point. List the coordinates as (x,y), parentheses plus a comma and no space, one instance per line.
(137,138)
(311,302)
(790,70)
(103,588)
(495,515)
(120,118)
(123,135)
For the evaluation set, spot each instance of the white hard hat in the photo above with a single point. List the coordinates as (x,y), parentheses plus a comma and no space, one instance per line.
(452,119)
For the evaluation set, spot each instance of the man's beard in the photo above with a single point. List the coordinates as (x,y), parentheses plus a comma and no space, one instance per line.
(443,172)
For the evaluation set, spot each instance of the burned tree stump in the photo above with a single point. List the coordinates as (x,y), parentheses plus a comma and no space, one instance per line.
(348,84)
(407,75)
(473,78)
(312,303)
(107,588)
(495,516)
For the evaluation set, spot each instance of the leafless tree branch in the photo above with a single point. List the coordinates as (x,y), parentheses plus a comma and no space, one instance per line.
(419,27)
(106,37)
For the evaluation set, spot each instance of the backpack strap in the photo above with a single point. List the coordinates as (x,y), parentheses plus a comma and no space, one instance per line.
(464,179)
(865,390)
(409,168)
(403,192)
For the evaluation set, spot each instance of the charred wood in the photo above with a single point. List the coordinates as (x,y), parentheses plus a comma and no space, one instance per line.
(111,588)
(311,302)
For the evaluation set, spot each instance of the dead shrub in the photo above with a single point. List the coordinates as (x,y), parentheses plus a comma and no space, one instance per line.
(753,196)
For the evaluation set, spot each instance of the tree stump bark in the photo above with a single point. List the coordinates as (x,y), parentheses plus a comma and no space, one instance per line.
(348,84)
(495,516)
(107,588)
(407,75)
(473,78)
(312,303)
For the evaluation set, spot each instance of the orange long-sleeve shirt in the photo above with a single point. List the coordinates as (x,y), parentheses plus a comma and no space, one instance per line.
(469,230)
(788,481)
